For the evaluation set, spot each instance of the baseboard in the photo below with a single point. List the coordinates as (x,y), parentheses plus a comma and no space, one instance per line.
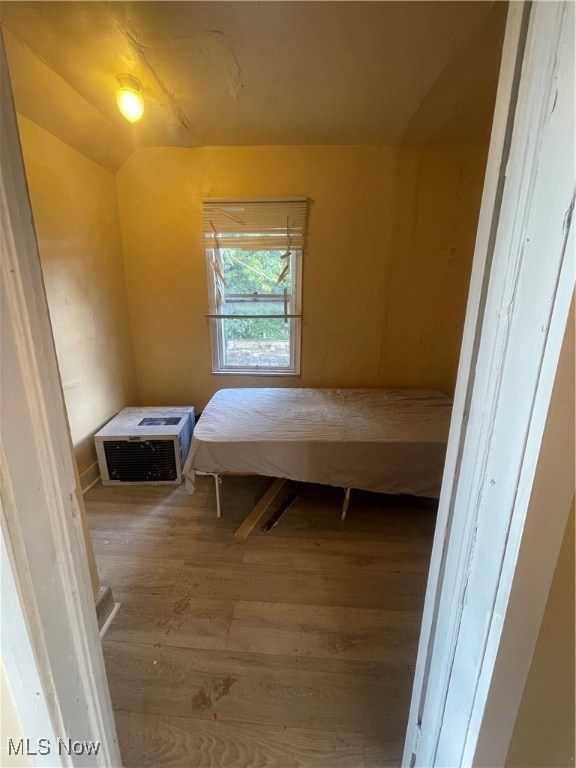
(89,477)
(104,606)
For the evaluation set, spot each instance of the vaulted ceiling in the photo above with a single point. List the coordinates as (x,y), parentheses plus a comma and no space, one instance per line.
(254,73)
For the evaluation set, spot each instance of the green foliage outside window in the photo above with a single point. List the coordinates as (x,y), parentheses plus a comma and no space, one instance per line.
(260,329)
(255,273)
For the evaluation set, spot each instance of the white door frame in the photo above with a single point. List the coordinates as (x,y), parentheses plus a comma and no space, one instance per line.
(51,647)
(520,294)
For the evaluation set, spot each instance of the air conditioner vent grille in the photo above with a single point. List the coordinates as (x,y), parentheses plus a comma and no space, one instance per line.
(145,445)
(142,461)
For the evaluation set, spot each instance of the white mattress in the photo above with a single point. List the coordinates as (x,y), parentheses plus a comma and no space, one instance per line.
(386,440)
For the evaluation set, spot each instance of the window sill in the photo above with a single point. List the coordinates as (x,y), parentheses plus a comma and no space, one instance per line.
(250,372)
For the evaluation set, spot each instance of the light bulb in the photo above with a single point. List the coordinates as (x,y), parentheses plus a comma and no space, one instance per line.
(128,97)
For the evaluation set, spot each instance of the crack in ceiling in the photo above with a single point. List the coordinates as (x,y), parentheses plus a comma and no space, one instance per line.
(232,74)
(140,48)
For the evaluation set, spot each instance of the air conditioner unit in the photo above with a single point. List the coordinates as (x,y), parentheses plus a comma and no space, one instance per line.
(145,445)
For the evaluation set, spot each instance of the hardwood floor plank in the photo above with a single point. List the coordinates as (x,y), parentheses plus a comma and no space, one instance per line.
(236,492)
(150,741)
(383,754)
(320,645)
(150,508)
(254,688)
(325,632)
(406,556)
(332,530)
(146,493)
(176,545)
(276,584)
(183,622)
(139,574)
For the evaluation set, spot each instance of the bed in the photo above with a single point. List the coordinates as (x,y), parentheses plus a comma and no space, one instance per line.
(385,440)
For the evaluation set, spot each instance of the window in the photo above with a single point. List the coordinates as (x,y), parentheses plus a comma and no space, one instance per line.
(254,261)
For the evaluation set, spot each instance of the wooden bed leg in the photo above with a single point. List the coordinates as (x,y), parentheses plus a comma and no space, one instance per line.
(217,481)
(346,503)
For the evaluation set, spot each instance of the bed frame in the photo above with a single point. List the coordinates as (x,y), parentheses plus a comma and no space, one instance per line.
(218,480)
(389,441)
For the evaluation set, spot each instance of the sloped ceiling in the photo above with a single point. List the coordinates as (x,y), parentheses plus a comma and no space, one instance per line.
(255,73)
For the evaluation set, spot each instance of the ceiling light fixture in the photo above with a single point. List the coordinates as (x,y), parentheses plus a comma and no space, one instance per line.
(129,98)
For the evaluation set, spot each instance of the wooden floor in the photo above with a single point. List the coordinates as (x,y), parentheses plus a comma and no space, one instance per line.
(293,648)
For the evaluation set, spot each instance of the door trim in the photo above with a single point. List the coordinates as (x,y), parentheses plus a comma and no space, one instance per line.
(521,288)
(55,664)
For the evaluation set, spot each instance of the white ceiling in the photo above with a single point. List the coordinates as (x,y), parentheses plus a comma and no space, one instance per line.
(251,73)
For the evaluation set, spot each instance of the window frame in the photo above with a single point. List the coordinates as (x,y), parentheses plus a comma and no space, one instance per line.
(293,308)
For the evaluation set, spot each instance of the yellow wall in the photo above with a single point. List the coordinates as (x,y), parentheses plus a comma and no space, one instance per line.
(76,218)
(430,259)
(385,280)
(544,731)
(385,273)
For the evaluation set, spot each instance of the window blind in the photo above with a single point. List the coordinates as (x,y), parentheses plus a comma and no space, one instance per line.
(255,224)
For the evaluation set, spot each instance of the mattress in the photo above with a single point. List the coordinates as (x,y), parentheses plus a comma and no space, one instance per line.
(386,440)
